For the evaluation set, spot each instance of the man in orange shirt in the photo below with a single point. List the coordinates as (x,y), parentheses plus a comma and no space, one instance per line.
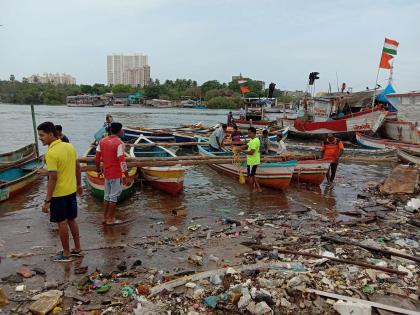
(332,149)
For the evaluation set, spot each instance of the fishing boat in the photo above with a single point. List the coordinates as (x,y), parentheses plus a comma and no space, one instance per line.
(87,101)
(311,171)
(401,130)
(344,127)
(408,157)
(96,181)
(157,135)
(378,143)
(18,156)
(275,175)
(16,178)
(169,179)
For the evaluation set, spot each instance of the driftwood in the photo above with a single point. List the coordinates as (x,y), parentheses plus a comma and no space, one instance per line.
(370,248)
(344,261)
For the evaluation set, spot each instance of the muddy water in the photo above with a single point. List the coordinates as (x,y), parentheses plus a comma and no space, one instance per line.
(207,194)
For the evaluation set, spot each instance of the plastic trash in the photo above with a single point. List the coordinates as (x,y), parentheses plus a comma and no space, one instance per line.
(211,301)
(127,291)
(352,308)
(368,289)
(103,288)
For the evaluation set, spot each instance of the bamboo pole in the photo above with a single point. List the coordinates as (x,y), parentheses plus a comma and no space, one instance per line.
(165,144)
(35,132)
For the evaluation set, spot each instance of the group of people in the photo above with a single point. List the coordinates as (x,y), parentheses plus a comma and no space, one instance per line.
(64,180)
(332,149)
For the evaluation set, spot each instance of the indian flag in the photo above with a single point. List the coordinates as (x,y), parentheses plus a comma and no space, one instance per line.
(243,86)
(390,46)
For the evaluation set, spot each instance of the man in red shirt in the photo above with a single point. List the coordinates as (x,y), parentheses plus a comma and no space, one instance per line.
(111,151)
(332,149)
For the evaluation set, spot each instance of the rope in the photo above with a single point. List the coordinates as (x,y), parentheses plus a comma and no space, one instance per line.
(236,162)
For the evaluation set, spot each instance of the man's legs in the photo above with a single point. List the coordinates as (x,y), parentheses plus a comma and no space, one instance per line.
(64,237)
(256,183)
(74,229)
(106,211)
(111,213)
(333,169)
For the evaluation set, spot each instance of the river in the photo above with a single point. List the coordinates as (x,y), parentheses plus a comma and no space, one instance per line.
(207,194)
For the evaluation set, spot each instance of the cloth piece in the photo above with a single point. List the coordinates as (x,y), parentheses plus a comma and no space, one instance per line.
(113,189)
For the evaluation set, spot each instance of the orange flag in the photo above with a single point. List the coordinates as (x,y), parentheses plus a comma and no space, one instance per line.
(385,59)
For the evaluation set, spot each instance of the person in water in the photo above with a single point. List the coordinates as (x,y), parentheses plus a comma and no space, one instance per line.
(332,149)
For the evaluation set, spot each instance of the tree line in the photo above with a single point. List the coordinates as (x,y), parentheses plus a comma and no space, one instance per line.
(213,93)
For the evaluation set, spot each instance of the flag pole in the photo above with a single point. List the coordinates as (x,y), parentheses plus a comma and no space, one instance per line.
(374,89)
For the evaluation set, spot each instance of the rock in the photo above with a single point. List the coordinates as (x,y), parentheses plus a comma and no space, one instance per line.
(262,309)
(136,263)
(173,228)
(196,260)
(403,179)
(20,288)
(149,252)
(245,298)
(24,271)
(13,279)
(44,305)
(285,303)
(215,279)
(3,297)
(122,266)
(293,282)
(39,271)
(266,283)
(352,308)
(190,285)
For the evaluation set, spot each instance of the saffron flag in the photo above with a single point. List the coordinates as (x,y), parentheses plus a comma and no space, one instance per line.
(243,86)
(388,52)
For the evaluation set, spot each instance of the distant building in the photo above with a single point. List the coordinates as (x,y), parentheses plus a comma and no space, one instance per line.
(132,70)
(50,78)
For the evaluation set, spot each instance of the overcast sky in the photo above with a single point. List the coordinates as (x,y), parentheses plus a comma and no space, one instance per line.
(271,40)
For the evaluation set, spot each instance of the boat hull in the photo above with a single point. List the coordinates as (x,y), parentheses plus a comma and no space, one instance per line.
(376,143)
(96,186)
(167,179)
(405,157)
(403,131)
(245,124)
(311,171)
(16,157)
(15,179)
(369,120)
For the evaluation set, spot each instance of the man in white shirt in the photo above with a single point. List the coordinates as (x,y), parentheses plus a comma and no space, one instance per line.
(281,146)
(217,137)
(242,114)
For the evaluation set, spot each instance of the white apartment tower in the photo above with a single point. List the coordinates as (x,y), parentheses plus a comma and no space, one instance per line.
(128,69)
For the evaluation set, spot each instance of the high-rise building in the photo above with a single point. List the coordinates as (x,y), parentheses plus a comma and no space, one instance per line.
(50,78)
(128,69)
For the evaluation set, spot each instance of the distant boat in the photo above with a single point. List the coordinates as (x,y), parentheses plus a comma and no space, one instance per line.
(276,175)
(16,178)
(96,181)
(169,179)
(18,156)
(86,101)
(378,143)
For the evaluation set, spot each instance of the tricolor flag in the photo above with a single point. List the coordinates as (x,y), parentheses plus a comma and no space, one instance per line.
(388,52)
(243,86)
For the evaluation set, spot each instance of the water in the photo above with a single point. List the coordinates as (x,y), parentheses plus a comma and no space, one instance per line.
(207,194)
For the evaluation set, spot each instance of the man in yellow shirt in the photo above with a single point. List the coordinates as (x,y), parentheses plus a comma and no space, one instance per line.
(64,181)
(252,159)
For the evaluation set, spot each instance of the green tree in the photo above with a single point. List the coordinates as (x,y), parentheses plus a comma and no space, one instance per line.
(122,88)
(86,89)
(210,85)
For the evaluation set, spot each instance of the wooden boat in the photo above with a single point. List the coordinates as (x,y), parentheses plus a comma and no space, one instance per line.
(157,135)
(16,178)
(18,156)
(344,127)
(400,130)
(406,157)
(311,171)
(275,175)
(96,182)
(169,179)
(378,143)
(244,124)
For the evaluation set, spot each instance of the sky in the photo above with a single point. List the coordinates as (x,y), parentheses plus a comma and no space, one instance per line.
(278,41)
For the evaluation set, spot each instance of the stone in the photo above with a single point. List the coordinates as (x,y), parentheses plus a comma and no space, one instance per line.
(352,308)
(262,308)
(190,285)
(173,228)
(266,283)
(403,179)
(44,305)
(20,288)
(13,279)
(245,298)
(39,271)
(24,271)
(3,297)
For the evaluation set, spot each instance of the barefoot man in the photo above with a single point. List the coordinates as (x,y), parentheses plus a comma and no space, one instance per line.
(252,159)
(111,151)
(63,183)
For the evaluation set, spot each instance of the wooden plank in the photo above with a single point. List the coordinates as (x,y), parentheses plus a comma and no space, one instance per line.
(395,309)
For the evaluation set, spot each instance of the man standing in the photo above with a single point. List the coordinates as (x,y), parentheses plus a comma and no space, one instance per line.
(60,134)
(242,114)
(108,121)
(230,119)
(332,149)
(252,159)
(264,143)
(63,183)
(217,137)
(281,146)
(111,152)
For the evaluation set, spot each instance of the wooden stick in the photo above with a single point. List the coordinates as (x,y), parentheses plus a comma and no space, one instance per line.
(372,304)
(344,261)
(165,144)
(370,248)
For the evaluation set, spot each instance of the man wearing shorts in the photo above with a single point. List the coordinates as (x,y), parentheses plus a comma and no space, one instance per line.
(111,151)
(252,159)
(64,181)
